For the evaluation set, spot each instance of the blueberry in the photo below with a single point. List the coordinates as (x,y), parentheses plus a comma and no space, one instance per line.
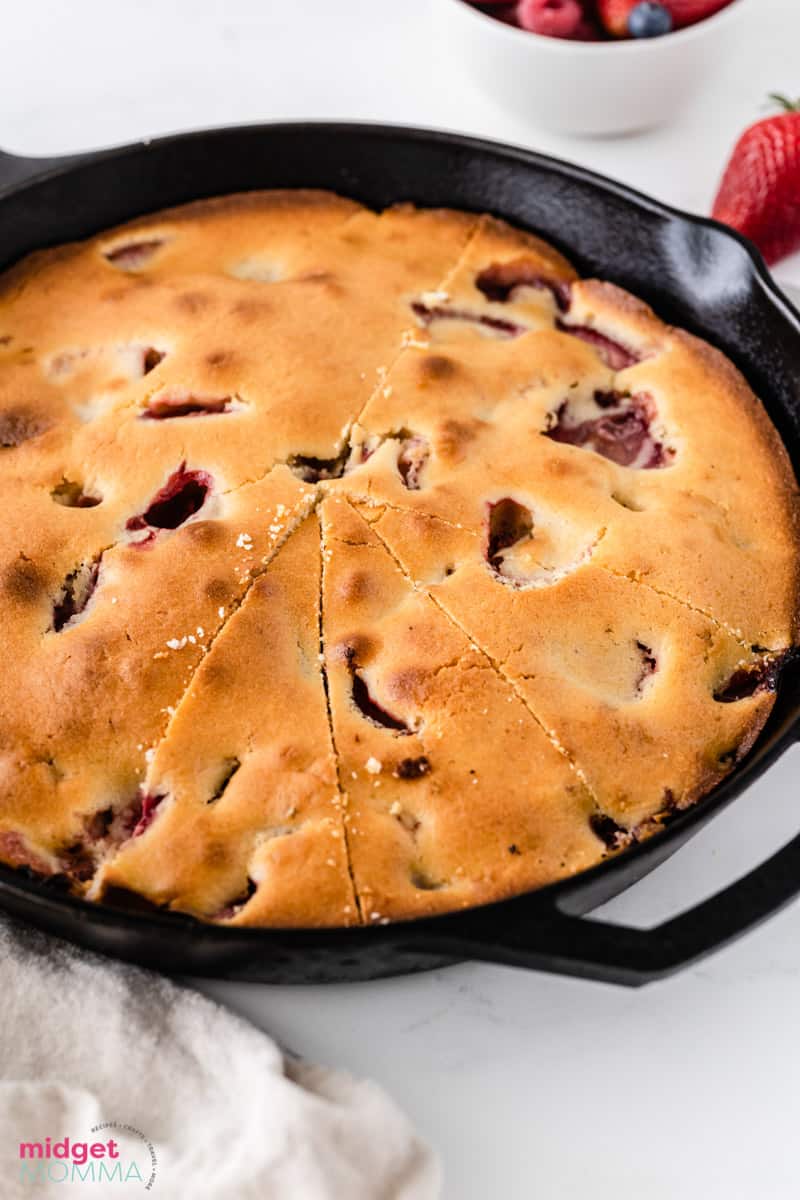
(649,20)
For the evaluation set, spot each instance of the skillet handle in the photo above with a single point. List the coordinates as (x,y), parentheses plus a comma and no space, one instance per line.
(590,949)
(16,169)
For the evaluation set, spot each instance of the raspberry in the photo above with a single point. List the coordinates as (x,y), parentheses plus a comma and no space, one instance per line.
(552,18)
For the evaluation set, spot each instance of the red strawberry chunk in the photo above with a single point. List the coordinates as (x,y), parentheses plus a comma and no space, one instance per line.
(649,665)
(235,906)
(76,592)
(411,460)
(752,679)
(615,836)
(622,433)
(132,256)
(613,354)
(147,811)
(166,407)
(499,282)
(427,314)
(151,357)
(184,494)
(508,523)
(371,709)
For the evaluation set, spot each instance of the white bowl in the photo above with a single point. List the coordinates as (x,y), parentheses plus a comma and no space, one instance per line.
(587,87)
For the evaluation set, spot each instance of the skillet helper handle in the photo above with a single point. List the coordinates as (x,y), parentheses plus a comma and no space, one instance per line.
(620,954)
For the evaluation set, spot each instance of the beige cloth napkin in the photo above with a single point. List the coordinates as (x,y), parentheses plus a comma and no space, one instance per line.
(87,1042)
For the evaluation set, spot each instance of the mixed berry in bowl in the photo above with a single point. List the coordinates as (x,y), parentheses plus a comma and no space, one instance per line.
(600,20)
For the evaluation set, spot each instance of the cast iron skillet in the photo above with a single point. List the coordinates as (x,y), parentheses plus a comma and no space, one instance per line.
(696,273)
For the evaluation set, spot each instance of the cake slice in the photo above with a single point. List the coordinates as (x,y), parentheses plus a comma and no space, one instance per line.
(248,824)
(653,702)
(507,283)
(102,639)
(421,723)
(260,322)
(638,473)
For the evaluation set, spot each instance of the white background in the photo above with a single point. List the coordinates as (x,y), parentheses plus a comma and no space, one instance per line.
(531,1087)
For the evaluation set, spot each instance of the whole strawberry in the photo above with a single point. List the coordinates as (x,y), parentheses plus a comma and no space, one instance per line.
(634,18)
(614,15)
(760,190)
(689,12)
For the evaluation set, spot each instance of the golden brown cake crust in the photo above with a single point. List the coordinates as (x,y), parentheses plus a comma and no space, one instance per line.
(360,566)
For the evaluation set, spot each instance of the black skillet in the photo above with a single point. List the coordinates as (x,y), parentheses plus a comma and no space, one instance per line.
(696,273)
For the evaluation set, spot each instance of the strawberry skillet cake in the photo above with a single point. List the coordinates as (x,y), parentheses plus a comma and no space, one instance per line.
(358,566)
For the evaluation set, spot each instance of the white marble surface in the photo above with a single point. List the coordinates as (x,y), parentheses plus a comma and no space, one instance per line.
(532,1087)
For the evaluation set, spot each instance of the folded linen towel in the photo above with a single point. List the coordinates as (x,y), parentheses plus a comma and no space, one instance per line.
(113,1079)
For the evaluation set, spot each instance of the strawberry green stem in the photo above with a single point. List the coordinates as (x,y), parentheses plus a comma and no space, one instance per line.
(784,102)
